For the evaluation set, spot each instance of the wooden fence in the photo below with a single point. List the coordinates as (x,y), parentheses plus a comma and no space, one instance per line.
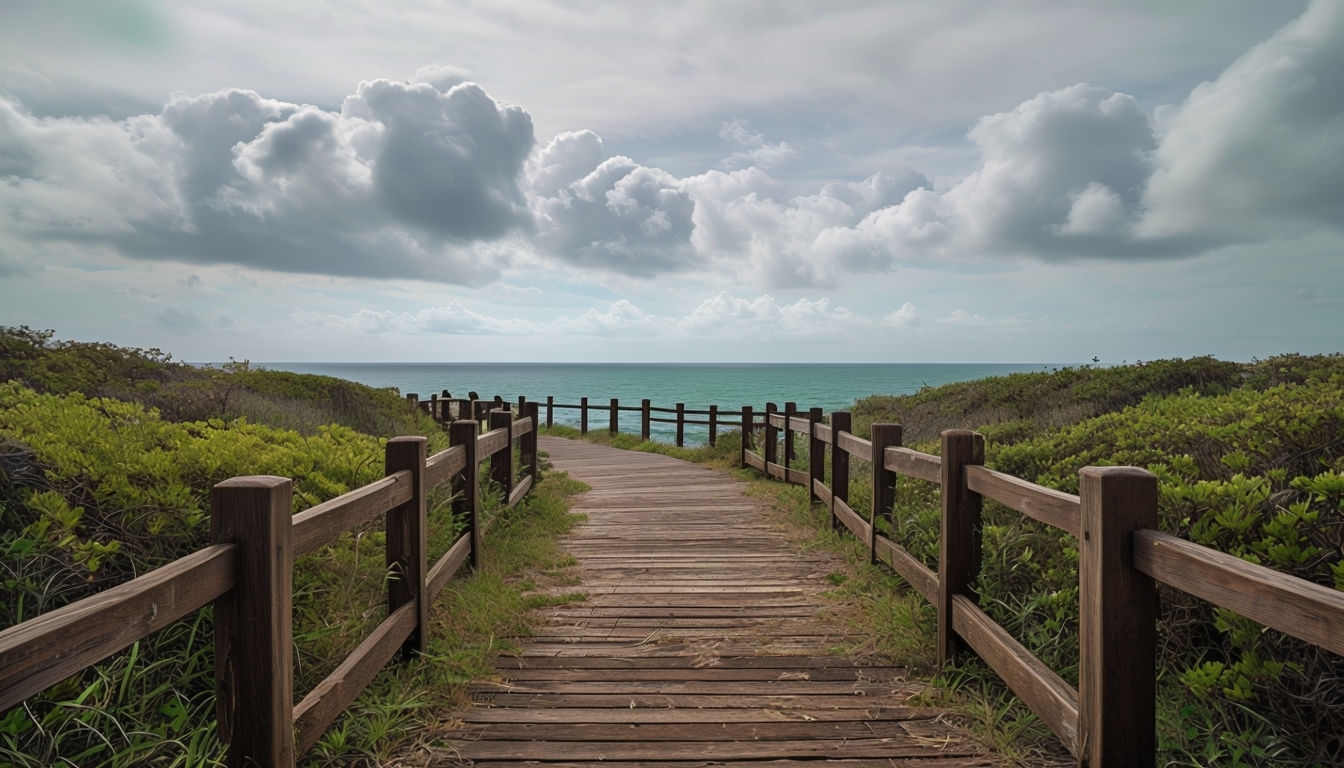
(1109,719)
(446,408)
(247,576)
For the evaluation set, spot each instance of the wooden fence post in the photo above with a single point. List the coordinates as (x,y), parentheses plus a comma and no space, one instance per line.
(790,410)
(771,446)
(840,422)
(530,445)
(550,411)
(501,463)
(254,674)
(959,553)
(882,436)
(466,484)
(406,536)
(681,424)
(1117,620)
(583,415)
(644,417)
(746,436)
(615,426)
(816,454)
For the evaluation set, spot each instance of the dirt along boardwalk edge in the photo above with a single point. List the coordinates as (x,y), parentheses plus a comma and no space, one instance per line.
(705,639)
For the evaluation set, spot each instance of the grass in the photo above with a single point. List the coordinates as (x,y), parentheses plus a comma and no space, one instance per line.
(397,717)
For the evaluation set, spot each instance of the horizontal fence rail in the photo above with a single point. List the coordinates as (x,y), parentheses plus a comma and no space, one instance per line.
(589,414)
(1109,719)
(246,575)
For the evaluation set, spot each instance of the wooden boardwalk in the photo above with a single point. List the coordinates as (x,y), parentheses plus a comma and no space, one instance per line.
(704,640)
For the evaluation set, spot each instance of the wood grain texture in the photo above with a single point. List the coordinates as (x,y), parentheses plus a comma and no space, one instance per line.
(704,637)
(1295,606)
(319,524)
(1044,691)
(919,576)
(331,696)
(912,463)
(440,467)
(854,446)
(47,649)
(1044,505)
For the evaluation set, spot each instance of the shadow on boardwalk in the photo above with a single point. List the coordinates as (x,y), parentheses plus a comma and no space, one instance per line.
(704,640)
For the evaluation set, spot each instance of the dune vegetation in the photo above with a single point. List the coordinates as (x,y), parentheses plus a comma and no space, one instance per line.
(107,455)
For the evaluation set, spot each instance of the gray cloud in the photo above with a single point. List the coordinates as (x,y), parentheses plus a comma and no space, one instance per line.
(621,217)
(405,181)
(1261,148)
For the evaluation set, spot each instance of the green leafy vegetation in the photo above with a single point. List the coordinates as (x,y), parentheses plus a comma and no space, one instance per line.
(100,486)
(1250,461)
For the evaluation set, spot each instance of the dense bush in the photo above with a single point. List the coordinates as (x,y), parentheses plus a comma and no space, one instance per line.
(107,457)
(1250,461)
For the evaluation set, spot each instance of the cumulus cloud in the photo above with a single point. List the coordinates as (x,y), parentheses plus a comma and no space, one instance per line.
(1261,147)
(431,178)
(414,179)
(1062,175)
(803,241)
(905,317)
(756,150)
(622,217)
(803,318)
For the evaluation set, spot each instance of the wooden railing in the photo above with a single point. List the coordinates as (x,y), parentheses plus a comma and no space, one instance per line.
(713,419)
(1109,719)
(246,574)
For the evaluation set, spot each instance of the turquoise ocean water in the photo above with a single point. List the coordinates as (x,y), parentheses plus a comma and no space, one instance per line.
(828,386)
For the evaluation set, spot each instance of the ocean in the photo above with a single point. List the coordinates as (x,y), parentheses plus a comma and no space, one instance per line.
(829,386)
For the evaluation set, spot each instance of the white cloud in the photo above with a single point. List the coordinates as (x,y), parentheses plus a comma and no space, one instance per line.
(961,317)
(622,217)
(905,317)
(405,180)
(756,152)
(1260,148)
(1039,160)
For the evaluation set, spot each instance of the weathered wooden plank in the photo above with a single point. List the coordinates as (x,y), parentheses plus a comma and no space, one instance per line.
(520,491)
(319,524)
(1041,504)
(726,730)
(520,427)
(948,761)
(799,476)
(890,748)
(448,565)
(684,715)
(912,463)
(1044,691)
(755,460)
(699,613)
(822,493)
(492,442)
(854,446)
(1291,605)
(851,520)
(330,697)
(443,465)
(46,649)
(919,576)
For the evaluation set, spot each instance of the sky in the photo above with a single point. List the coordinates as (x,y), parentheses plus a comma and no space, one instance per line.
(701,180)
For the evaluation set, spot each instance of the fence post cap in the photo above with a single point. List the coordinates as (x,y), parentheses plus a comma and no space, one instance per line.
(254,481)
(1115,472)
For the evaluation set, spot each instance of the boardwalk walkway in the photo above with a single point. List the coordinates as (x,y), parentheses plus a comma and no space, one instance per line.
(704,640)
